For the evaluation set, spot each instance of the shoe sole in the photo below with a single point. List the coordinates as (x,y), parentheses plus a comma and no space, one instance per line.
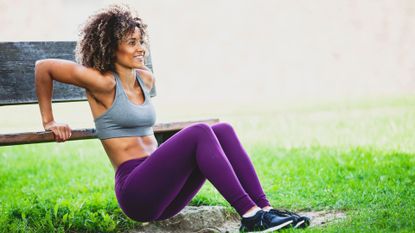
(299,224)
(273,228)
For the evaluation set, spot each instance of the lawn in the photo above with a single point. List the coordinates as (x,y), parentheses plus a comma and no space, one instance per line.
(353,156)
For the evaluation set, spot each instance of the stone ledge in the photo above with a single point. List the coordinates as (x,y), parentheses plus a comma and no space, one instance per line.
(201,219)
(215,219)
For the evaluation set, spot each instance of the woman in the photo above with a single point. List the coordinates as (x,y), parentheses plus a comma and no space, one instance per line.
(152,182)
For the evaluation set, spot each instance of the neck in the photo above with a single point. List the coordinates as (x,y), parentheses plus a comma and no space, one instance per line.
(126,74)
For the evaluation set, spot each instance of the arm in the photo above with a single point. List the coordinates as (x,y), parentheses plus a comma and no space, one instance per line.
(153,90)
(44,86)
(150,80)
(64,71)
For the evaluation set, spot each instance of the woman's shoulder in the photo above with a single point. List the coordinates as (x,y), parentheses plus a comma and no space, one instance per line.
(147,77)
(107,82)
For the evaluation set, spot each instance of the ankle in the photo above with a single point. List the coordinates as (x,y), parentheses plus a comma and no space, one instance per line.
(267,208)
(251,212)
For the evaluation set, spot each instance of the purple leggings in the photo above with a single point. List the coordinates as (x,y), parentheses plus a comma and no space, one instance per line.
(159,186)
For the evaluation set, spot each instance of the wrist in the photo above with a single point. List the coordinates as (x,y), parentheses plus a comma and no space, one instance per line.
(46,123)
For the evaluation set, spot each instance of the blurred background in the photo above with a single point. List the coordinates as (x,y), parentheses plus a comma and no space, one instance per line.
(213,58)
(321,94)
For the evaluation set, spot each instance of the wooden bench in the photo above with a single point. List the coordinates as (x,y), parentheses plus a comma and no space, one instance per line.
(17,61)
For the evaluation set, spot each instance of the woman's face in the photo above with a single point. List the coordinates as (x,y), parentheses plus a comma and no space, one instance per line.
(130,51)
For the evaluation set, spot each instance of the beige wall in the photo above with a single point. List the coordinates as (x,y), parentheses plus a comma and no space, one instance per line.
(260,51)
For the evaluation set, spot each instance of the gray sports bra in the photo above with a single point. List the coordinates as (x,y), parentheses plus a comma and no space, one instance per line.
(124,118)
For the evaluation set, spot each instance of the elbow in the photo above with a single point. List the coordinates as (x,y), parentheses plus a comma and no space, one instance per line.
(41,67)
(40,63)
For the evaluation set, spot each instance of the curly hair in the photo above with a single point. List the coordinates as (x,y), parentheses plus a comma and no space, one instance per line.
(101,34)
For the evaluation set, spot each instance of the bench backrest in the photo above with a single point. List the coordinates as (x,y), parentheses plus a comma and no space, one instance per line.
(17,63)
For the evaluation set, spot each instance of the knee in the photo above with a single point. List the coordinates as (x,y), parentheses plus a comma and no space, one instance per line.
(200,125)
(202,129)
(222,126)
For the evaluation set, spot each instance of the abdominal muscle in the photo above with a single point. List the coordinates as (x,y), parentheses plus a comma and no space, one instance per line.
(122,149)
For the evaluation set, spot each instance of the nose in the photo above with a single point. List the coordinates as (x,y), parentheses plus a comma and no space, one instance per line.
(140,48)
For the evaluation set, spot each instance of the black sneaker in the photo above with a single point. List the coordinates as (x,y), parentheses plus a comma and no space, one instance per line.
(264,221)
(299,221)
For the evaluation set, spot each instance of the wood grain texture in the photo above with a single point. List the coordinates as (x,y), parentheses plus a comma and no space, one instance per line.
(17,63)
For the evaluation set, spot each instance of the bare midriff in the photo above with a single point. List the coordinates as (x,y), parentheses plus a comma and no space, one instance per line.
(122,149)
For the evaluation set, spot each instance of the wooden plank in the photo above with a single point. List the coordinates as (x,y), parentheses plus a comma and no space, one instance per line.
(17,61)
(162,132)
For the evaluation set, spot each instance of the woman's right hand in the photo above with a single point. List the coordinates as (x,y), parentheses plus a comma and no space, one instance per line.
(61,131)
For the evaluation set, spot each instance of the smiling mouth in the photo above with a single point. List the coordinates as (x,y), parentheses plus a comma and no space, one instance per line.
(140,57)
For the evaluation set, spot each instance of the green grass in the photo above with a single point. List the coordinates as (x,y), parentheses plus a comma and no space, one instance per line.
(355,157)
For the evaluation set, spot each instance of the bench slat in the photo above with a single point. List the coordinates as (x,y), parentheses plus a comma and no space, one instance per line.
(162,131)
(17,63)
